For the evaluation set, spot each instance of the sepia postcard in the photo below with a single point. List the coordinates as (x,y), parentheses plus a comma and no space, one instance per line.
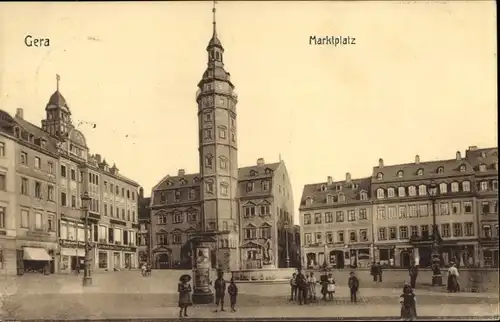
(248,161)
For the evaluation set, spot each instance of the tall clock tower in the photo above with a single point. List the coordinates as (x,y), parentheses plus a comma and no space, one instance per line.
(218,151)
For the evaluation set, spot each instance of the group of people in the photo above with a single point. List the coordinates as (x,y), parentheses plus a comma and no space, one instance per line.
(146,269)
(184,289)
(303,287)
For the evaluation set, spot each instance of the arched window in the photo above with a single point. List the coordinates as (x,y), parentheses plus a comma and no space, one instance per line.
(341,197)
(329,199)
(380,176)
(422,190)
(454,187)
(401,191)
(412,191)
(390,192)
(400,174)
(443,188)
(380,193)
(440,170)
(466,186)
(420,172)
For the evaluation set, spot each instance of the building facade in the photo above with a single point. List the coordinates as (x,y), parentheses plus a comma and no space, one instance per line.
(43,174)
(404,206)
(265,204)
(245,208)
(462,192)
(485,166)
(336,221)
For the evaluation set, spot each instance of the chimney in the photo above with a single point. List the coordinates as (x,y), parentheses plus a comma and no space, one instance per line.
(98,158)
(260,161)
(473,148)
(380,163)
(329,180)
(417,159)
(181,172)
(459,156)
(348,177)
(20,113)
(141,192)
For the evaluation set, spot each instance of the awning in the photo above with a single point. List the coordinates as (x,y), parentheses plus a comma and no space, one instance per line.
(36,254)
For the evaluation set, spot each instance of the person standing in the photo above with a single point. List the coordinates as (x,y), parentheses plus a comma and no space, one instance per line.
(232,290)
(453,284)
(293,287)
(312,286)
(330,286)
(413,271)
(408,304)
(184,289)
(353,284)
(379,272)
(302,287)
(373,271)
(220,290)
(77,268)
(324,285)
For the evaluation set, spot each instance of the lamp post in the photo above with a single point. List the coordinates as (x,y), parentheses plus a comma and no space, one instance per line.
(437,278)
(287,259)
(87,279)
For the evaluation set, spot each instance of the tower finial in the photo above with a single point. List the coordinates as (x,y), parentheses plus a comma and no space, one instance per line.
(58,78)
(213,12)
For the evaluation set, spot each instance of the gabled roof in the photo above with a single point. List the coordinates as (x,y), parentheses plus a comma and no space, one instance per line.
(169,182)
(487,156)
(430,170)
(50,142)
(258,171)
(349,189)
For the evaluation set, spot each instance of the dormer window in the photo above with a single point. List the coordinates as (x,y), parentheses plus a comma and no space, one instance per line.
(440,170)
(401,191)
(463,168)
(483,155)
(169,183)
(420,172)
(323,187)
(354,186)
(249,186)
(338,187)
(400,174)
(329,199)
(380,176)
(309,201)
(268,171)
(380,193)
(482,167)
(183,182)
(363,195)
(177,195)
(341,197)
(390,192)
(253,173)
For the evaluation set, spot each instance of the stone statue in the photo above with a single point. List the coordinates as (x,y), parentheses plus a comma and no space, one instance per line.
(267,253)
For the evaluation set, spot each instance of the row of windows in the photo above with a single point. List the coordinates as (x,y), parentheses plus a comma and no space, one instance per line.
(177,195)
(330,199)
(251,211)
(423,210)
(37,192)
(440,170)
(445,230)
(37,163)
(162,238)
(422,190)
(94,179)
(355,236)
(207,134)
(339,216)
(177,217)
(37,220)
(254,232)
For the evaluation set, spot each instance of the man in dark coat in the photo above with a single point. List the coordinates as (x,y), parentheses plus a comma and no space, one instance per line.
(413,271)
(379,272)
(302,287)
(220,290)
(353,284)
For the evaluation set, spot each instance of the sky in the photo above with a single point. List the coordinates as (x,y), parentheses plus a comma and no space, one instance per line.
(420,79)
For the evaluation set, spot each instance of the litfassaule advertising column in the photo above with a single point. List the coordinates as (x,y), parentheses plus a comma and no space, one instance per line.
(202,294)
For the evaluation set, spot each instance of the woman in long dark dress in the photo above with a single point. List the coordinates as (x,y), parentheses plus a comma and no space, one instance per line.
(408,304)
(184,289)
(453,285)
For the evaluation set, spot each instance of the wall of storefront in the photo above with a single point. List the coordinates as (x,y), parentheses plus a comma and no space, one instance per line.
(115,259)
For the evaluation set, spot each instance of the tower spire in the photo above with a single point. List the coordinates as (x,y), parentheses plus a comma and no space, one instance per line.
(213,19)
(58,78)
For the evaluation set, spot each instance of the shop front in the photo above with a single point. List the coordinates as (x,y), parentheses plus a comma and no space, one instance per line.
(489,252)
(462,255)
(72,255)
(35,257)
(116,257)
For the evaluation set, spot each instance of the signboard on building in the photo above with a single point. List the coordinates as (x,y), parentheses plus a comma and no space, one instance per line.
(116,247)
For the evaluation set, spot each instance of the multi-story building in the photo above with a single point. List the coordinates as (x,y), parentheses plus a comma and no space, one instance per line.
(143,234)
(215,200)
(266,204)
(45,171)
(403,211)
(29,209)
(8,194)
(336,221)
(485,165)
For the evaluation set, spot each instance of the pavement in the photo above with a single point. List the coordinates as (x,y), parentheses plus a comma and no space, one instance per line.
(128,294)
